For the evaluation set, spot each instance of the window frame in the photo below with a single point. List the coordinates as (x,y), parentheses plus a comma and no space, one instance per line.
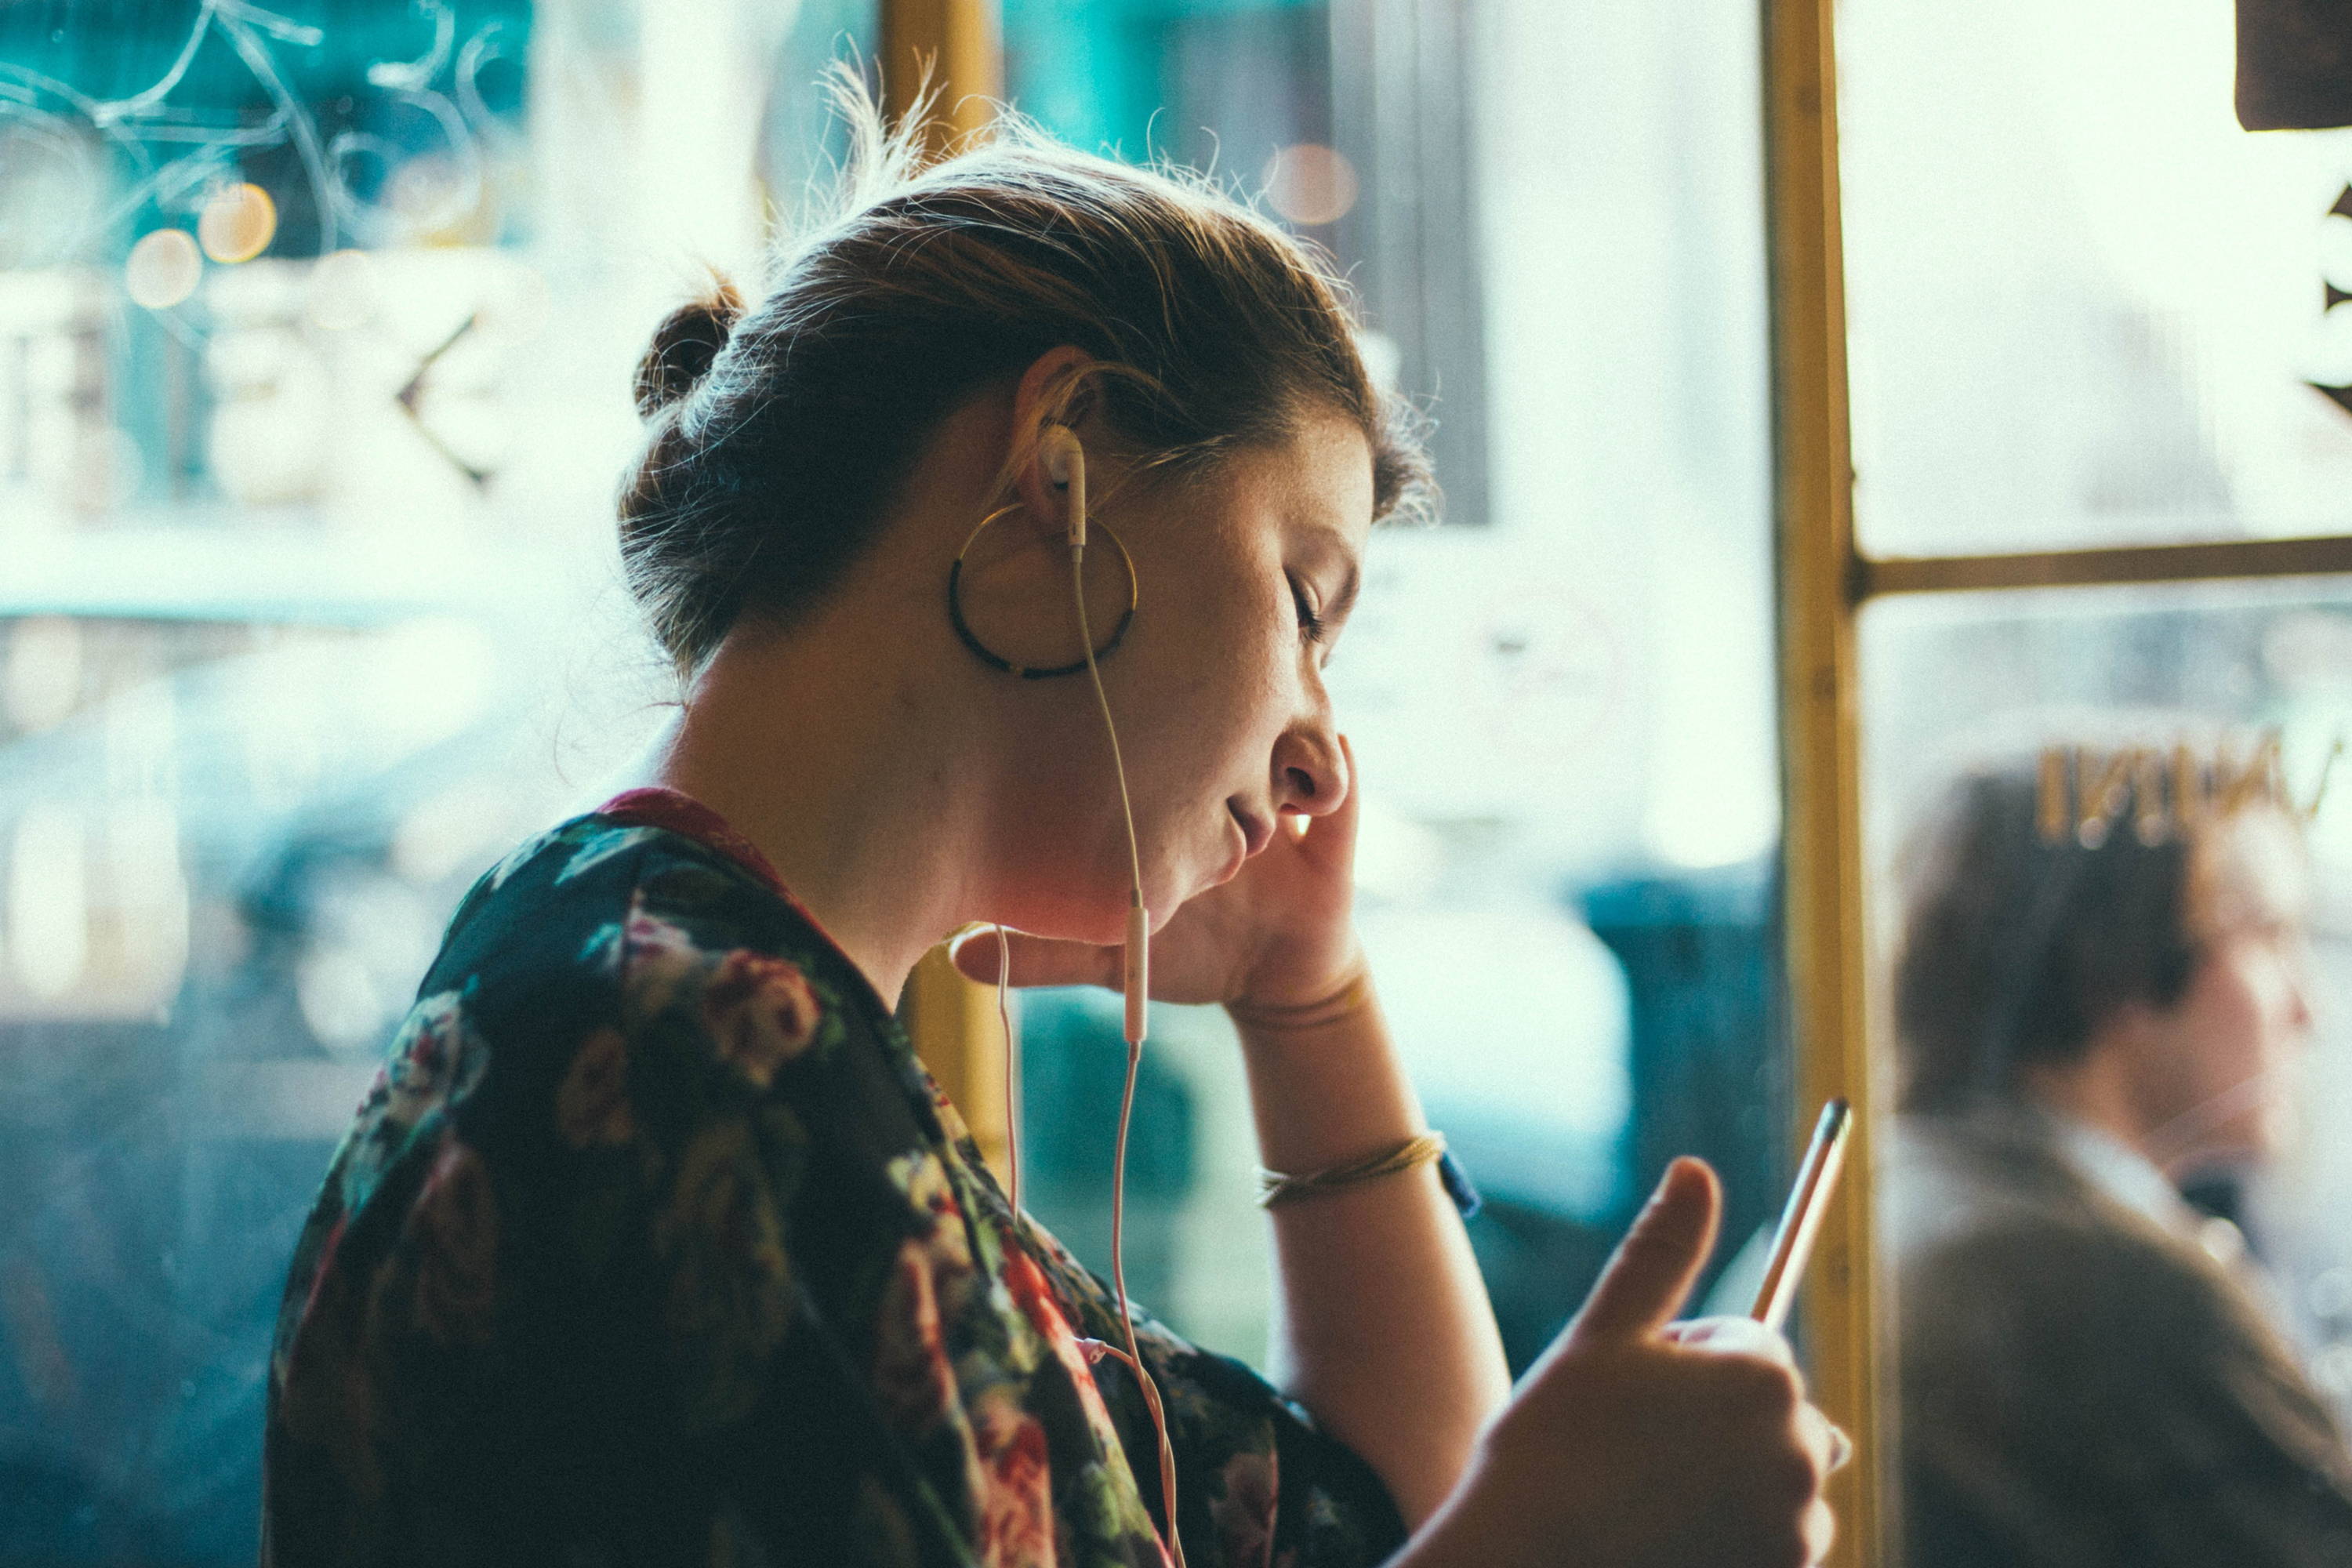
(1818,587)
(1825,582)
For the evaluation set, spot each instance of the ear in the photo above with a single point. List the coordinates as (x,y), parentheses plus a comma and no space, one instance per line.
(1056,389)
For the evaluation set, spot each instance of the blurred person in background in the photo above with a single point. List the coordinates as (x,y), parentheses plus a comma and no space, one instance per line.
(654,1243)
(2101,991)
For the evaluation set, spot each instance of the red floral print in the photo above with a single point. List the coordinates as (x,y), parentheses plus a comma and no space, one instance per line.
(1244,1514)
(454,1228)
(722,1241)
(761,1013)
(911,1373)
(656,956)
(1016,1505)
(424,1059)
(592,1106)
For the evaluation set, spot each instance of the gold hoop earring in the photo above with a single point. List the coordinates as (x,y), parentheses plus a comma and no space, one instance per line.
(1030,672)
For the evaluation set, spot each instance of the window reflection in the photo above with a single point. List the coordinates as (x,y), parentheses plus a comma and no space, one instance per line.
(2083,306)
(315,338)
(2112,1205)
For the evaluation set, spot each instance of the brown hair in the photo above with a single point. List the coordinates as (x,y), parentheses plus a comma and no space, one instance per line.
(2018,942)
(777,433)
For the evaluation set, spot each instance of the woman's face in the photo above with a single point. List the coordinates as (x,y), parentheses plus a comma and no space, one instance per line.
(2216,1074)
(1245,578)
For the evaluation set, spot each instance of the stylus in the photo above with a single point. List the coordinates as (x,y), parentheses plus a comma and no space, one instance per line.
(1800,1222)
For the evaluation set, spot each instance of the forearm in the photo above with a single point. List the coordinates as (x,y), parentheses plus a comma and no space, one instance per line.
(1382,1327)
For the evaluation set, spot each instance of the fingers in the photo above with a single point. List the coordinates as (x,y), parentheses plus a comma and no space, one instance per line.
(1653,1268)
(1036,960)
(1829,1446)
(1820,1531)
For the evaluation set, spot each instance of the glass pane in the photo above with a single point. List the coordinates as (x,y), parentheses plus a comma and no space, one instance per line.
(316,343)
(2113,940)
(1562,698)
(2084,306)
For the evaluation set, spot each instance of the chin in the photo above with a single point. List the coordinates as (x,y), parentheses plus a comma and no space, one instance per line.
(2259,1138)
(1090,904)
(1175,889)
(2277,1135)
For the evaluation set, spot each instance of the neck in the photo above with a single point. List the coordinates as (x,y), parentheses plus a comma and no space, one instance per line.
(824,751)
(2097,1092)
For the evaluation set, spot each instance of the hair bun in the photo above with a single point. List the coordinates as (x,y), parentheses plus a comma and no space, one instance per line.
(686,342)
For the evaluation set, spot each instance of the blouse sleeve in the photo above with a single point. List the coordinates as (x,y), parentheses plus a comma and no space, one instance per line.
(556,1301)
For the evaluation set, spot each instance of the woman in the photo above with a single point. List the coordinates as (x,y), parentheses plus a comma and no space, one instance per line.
(2101,990)
(656,1244)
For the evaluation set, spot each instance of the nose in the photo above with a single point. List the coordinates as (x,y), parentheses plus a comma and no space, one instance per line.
(2296,1003)
(1310,772)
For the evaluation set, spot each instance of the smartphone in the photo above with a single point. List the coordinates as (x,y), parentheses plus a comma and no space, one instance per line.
(1800,1221)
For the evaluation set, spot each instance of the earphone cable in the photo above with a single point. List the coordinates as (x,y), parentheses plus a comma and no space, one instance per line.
(1094,673)
(1012,1070)
(1126,1098)
(1127,1313)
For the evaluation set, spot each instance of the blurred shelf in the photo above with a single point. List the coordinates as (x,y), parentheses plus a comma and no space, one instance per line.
(275,575)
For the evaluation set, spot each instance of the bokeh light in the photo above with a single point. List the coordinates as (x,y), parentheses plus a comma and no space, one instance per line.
(164,268)
(237,224)
(1310,183)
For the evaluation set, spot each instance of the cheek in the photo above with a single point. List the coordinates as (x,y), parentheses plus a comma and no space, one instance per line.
(1214,682)
(2241,1018)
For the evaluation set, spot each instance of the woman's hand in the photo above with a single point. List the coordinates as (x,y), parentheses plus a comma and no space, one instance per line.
(1644,1443)
(1279,933)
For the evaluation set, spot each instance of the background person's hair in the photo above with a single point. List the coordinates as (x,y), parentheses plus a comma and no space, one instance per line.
(777,430)
(2015,948)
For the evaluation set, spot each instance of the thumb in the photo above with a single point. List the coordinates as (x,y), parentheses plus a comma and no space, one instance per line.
(1652,1268)
(1036,960)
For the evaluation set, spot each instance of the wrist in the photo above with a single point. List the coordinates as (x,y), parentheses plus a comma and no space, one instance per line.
(1457,1534)
(1336,997)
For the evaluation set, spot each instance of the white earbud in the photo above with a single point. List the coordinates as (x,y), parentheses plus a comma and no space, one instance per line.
(1066,465)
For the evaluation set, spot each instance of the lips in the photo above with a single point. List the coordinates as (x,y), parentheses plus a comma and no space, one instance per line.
(1256,830)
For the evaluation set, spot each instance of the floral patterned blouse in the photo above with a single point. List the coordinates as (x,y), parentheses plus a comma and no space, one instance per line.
(654,1243)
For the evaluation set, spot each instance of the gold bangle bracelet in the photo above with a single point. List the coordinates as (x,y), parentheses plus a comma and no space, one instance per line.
(1274,1187)
(1354,994)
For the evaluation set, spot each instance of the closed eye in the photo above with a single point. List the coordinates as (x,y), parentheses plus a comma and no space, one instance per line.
(1310,624)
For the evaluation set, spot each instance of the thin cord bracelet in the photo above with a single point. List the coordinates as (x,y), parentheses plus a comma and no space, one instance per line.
(1276,1187)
